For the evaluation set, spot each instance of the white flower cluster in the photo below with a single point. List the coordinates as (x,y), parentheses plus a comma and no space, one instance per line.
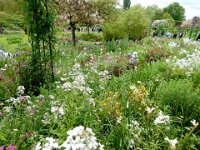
(49,145)
(104,75)
(189,41)
(57,111)
(81,139)
(172,143)
(17,100)
(161,119)
(189,62)
(135,130)
(78,83)
(20,90)
(172,44)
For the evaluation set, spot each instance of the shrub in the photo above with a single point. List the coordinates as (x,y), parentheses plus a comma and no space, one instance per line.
(14,39)
(91,37)
(131,23)
(181,97)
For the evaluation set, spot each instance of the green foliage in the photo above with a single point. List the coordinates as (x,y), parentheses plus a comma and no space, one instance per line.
(11,21)
(132,24)
(8,80)
(114,30)
(170,20)
(111,46)
(40,17)
(9,6)
(136,22)
(181,97)
(91,37)
(14,39)
(154,12)
(176,11)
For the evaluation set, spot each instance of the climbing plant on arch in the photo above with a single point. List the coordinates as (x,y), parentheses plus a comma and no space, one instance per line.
(40,18)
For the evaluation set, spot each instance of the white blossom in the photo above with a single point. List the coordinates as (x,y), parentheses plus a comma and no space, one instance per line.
(194,123)
(161,119)
(81,139)
(134,89)
(172,143)
(150,110)
(20,90)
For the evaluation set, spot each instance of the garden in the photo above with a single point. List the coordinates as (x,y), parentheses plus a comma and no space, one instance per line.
(102,90)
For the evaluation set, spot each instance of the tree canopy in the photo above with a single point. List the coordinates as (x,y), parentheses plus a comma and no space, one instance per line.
(86,12)
(176,11)
(126,4)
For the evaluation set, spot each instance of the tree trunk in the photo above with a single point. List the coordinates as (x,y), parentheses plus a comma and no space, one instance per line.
(88,29)
(73,34)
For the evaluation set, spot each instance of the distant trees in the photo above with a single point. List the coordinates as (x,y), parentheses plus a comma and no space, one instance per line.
(176,11)
(86,12)
(126,4)
(170,20)
(154,12)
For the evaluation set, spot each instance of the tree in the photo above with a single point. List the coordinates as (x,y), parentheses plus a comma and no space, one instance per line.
(126,4)
(132,23)
(170,20)
(40,18)
(154,12)
(176,11)
(86,12)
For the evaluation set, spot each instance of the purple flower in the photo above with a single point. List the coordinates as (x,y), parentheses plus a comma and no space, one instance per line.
(129,54)
(132,61)
(17,54)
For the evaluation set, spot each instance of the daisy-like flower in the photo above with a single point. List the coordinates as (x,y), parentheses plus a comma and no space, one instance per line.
(50,144)
(81,138)
(150,110)
(51,97)
(20,90)
(57,110)
(194,123)
(172,143)
(161,119)
(134,89)
(38,146)
(119,119)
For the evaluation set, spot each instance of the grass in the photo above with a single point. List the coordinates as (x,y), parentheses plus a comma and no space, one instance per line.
(6,41)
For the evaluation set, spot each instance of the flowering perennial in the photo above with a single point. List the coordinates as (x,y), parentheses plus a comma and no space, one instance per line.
(81,139)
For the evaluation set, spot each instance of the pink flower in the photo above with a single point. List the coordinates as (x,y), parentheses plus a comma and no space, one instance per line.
(11,147)
(1,147)
(24,97)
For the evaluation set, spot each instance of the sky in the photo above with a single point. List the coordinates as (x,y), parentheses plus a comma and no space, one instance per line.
(192,7)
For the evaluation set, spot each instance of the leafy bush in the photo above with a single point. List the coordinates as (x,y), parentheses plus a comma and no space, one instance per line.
(11,21)
(181,97)
(91,37)
(131,23)
(13,40)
